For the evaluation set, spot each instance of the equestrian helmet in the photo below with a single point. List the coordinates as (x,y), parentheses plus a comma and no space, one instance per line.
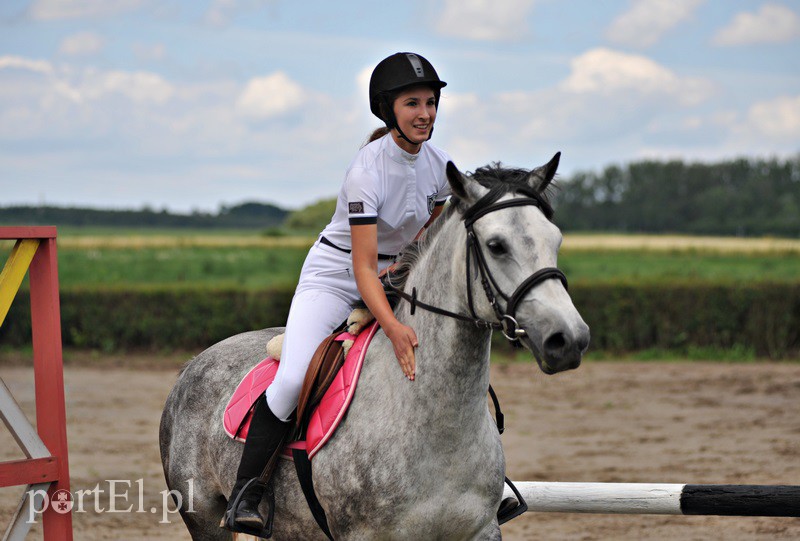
(396,72)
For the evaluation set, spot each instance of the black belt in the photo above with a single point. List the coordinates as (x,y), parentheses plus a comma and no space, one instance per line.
(326,242)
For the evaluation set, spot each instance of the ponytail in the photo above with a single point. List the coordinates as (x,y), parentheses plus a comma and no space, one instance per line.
(375,135)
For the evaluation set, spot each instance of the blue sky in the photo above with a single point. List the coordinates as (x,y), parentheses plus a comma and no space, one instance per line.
(189,105)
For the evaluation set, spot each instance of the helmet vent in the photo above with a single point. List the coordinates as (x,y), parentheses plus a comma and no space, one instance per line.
(416,64)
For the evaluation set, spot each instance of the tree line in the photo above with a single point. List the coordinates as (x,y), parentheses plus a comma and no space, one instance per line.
(243,216)
(736,197)
(742,197)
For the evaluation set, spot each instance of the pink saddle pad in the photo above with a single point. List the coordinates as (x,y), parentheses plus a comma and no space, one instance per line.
(325,418)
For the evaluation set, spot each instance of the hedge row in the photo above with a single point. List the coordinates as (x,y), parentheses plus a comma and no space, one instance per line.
(152,319)
(764,318)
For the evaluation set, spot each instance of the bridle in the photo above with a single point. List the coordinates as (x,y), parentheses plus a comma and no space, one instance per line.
(506,321)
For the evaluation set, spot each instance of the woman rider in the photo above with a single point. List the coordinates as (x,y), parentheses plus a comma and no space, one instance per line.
(394,187)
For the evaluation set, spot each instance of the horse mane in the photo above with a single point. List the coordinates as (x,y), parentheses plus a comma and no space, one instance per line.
(499,181)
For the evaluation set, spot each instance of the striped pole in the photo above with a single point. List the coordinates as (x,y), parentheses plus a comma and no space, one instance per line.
(660,499)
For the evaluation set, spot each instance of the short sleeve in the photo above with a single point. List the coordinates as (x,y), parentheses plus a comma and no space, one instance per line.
(444,193)
(444,185)
(361,191)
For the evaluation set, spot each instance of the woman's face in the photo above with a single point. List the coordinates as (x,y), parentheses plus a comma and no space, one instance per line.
(415,110)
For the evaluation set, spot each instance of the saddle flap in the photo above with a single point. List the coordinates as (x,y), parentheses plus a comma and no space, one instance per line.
(237,414)
(326,412)
(325,363)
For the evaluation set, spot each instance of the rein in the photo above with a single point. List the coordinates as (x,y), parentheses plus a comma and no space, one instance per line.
(506,322)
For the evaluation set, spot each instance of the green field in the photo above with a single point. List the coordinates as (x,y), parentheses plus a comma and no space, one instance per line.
(208,267)
(249,261)
(697,297)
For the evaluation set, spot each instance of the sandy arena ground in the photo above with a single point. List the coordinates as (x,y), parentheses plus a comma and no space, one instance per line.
(606,422)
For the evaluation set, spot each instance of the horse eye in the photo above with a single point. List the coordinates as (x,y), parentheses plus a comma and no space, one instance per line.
(496,247)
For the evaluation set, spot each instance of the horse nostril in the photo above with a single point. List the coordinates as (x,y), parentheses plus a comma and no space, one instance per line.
(555,342)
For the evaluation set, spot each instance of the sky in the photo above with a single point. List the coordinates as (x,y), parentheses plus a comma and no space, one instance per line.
(190,105)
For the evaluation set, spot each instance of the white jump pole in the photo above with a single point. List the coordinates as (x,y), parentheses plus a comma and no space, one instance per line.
(660,499)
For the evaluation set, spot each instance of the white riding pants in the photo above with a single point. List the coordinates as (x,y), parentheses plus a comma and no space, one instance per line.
(323,299)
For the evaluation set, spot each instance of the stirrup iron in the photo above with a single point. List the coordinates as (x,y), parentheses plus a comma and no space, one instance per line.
(507,509)
(229,519)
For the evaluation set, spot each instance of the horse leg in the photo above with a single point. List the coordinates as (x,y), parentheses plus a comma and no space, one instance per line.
(203,513)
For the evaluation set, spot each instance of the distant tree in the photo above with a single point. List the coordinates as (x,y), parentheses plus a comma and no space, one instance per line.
(245,216)
(736,197)
(252,214)
(312,218)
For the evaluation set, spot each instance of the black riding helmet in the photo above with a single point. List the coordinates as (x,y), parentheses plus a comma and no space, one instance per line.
(393,74)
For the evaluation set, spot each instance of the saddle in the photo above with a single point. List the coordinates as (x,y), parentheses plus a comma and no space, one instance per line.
(325,364)
(328,388)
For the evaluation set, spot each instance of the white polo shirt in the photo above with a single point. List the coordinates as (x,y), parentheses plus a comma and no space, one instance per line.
(387,186)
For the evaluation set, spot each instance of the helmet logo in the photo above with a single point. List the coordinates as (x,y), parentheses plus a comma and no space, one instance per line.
(416,64)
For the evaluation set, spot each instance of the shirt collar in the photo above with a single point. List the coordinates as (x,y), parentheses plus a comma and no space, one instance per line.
(398,154)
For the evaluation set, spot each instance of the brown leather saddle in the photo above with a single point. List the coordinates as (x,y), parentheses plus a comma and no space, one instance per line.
(325,363)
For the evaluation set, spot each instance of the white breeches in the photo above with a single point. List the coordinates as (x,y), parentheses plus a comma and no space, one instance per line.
(323,299)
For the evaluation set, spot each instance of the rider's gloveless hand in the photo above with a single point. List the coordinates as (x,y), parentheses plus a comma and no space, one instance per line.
(404,340)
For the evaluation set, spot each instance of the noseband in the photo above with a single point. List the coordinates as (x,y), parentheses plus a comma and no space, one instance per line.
(507,322)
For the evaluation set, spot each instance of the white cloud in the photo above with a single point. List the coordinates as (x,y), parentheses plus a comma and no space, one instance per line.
(362,93)
(607,107)
(48,10)
(220,12)
(648,20)
(115,129)
(82,43)
(485,20)
(778,118)
(65,86)
(156,51)
(270,96)
(773,23)
(604,71)
(139,87)
(18,62)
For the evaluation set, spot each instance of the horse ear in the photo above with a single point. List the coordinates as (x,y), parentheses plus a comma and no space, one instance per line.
(541,177)
(462,186)
(457,181)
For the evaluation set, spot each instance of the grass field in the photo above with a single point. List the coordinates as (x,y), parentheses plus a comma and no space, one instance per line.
(160,238)
(680,243)
(245,259)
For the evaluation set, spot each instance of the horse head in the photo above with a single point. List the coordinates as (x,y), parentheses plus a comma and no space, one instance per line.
(512,263)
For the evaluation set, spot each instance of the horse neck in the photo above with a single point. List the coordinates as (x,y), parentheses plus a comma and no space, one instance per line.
(453,356)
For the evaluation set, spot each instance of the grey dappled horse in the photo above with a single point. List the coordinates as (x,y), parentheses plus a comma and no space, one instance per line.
(411,460)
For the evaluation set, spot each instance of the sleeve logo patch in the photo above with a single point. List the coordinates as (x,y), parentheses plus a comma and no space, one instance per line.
(355,208)
(432,202)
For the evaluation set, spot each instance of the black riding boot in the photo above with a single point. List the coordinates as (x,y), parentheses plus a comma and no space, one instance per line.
(262,448)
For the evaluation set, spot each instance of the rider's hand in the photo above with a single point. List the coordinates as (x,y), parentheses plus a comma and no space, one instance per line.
(404,340)
(390,268)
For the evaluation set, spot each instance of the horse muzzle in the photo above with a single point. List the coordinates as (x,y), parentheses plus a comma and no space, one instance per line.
(560,350)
